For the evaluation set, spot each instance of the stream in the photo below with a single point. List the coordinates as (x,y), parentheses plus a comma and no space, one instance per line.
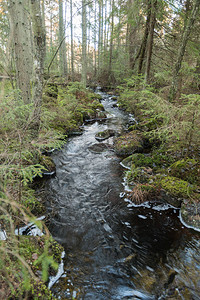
(113,248)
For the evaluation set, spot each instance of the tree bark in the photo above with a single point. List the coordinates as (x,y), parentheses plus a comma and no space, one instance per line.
(150,40)
(111,39)
(145,38)
(84,44)
(20,26)
(39,56)
(62,50)
(99,37)
(72,41)
(181,51)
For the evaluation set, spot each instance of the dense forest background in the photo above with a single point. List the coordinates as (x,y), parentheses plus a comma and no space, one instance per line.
(51,53)
(103,41)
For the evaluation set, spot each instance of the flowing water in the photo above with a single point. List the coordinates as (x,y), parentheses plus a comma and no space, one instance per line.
(114,249)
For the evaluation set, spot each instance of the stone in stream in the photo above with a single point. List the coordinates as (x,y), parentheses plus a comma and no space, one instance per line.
(100,147)
(103,135)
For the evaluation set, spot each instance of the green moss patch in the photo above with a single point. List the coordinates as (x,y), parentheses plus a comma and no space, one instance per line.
(189,169)
(139,174)
(175,186)
(129,143)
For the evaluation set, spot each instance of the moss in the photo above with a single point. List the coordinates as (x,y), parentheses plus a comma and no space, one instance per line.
(37,290)
(103,135)
(175,186)
(127,144)
(139,174)
(155,161)
(189,169)
(56,250)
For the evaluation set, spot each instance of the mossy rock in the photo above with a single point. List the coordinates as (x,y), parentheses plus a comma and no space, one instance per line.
(149,124)
(127,162)
(128,144)
(155,161)
(139,174)
(175,186)
(190,213)
(103,135)
(97,105)
(100,147)
(189,169)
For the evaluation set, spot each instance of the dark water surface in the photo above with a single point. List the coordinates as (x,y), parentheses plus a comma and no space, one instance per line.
(113,249)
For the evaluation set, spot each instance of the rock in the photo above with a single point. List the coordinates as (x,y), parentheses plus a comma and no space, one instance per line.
(128,144)
(103,135)
(173,189)
(114,105)
(127,162)
(114,98)
(97,115)
(190,214)
(189,169)
(49,167)
(139,174)
(100,147)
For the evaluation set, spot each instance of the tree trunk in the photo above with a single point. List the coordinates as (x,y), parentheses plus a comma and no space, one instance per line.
(72,41)
(181,51)
(145,38)
(99,38)
(84,44)
(95,41)
(111,39)
(62,50)
(150,40)
(20,26)
(39,55)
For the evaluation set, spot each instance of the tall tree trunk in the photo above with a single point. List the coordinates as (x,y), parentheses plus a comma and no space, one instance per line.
(39,55)
(62,50)
(99,37)
(95,41)
(145,38)
(20,26)
(84,44)
(131,29)
(72,41)
(150,39)
(111,39)
(43,20)
(181,51)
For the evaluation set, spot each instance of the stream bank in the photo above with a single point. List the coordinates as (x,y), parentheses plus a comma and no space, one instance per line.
(115,249)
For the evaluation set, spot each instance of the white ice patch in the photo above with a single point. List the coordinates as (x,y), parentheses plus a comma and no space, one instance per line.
(3,235)
(53,279)
(30,229)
